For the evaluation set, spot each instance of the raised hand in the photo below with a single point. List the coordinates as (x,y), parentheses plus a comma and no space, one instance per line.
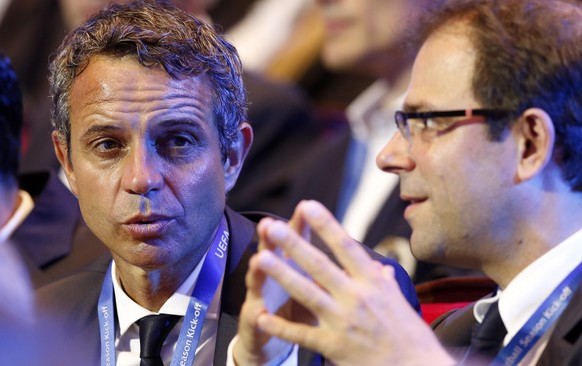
(362,316)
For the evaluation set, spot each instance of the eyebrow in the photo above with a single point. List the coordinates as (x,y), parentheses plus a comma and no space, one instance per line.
(169,123)
(178,122)
(416,107)
(97,129)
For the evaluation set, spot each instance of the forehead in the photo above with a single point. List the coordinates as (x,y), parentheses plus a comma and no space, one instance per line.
(112,70)
(107,80)
(381,19)
(443,70)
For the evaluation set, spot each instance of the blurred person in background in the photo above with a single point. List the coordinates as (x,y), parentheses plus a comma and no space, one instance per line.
(41,219)
(17,315)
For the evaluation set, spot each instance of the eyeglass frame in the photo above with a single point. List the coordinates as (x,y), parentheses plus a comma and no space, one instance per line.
(401,118)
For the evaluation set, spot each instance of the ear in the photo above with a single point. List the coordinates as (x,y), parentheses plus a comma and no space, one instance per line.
(62,153)
(236,154)
(536,138)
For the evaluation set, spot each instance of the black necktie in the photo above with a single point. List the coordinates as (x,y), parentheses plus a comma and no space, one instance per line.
(488,338)
(153,330)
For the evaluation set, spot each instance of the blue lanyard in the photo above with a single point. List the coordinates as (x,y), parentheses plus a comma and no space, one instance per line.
(105,311)
(542,319)
(210,276)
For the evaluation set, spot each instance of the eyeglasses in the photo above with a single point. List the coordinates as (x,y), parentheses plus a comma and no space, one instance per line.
(429,125)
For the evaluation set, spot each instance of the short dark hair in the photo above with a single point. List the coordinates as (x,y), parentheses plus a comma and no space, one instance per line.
(10,120)
(528,54)
(155,33)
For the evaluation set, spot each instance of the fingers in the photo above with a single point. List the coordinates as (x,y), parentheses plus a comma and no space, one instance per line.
(349,253)
(301,334)
(261,232)
(251,339)
(300,226)
(301,288)
(263,295)
(309,258)
(254,302)
(387,271)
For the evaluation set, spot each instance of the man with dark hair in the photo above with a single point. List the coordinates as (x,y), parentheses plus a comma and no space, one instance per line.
(149,110)
(489,158)
(10,122)
(15,282)
(39,217)
(18,272)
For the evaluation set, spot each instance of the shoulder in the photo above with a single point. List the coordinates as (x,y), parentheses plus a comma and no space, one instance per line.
(68,308)
(73,299)
(454,328)
(243,239)
(565,344)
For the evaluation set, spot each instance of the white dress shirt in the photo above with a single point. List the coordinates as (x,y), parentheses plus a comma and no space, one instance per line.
(371,121)
(528,290)
(127,343)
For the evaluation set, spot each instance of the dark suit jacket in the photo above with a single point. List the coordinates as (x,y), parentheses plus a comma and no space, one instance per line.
(53,240)
(564,346)
(72,302)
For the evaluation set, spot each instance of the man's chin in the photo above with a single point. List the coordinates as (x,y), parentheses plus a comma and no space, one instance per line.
(426,250)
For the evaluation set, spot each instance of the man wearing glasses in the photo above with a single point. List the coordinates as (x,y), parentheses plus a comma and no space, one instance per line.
(489,158)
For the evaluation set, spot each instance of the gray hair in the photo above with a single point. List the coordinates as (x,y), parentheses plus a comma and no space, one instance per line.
(156,34)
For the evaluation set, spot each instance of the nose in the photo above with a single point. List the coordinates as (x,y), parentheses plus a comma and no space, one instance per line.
(395,156)
(141,170)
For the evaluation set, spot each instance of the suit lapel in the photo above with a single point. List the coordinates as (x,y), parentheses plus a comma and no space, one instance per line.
(454,330)
(565,344)
(242,245)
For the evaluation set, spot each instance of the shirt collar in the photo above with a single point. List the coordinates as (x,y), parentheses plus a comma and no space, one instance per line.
(24,208)
(128,311)
(528,290)
(482,306)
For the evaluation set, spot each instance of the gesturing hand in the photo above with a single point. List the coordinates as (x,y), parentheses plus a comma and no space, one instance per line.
(362,316)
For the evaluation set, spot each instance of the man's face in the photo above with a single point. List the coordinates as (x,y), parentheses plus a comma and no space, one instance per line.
(360,31)
(459,183)
(146,162)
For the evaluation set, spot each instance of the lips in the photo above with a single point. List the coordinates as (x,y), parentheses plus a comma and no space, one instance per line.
(336,26)
(147,227)
(414,203)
